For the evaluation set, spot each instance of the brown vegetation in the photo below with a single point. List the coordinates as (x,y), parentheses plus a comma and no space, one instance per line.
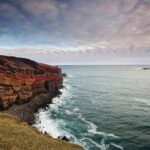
(17,135)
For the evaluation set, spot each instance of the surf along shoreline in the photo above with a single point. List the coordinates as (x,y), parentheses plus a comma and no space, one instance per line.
(27,86)
(26,112)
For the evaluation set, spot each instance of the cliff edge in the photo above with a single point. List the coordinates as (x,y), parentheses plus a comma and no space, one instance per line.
(17,135)
(26,86)
(22,79)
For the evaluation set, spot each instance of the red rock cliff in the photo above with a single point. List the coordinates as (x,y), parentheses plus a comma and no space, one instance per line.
(21,79)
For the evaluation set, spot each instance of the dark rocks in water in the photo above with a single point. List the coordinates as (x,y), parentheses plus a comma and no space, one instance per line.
(64,75)
(26,111)
(146,68)
(45,133)
(64,138)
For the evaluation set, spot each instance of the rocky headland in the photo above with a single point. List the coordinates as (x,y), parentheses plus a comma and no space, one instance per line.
(26,86)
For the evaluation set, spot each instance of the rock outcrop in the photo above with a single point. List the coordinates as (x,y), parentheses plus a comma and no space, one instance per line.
(22,79)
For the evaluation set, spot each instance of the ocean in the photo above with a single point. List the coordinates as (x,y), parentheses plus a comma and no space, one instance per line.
(101,108)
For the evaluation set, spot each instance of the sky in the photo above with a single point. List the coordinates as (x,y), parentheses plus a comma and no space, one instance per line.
(76,31)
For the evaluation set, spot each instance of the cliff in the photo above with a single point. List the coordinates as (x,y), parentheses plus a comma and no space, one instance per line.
(22,79)
(26,86)
(16,135)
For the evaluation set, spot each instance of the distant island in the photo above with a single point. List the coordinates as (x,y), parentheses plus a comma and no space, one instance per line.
(26,86)
(146,68)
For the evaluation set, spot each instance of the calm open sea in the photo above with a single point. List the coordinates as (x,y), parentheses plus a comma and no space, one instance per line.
(101,108)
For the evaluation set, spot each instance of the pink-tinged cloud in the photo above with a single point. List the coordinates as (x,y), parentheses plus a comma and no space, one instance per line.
(74,31)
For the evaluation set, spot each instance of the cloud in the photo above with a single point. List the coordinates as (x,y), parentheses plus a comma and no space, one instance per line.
(75,27)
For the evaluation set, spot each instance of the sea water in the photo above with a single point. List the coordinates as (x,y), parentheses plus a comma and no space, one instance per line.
(101,108)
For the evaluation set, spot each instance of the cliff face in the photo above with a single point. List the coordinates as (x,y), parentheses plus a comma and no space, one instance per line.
(21,79)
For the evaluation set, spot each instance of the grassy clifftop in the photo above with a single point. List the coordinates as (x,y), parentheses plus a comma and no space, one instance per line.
(17,135)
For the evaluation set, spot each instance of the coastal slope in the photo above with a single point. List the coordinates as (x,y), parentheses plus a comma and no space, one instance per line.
(26,86)
(17,135)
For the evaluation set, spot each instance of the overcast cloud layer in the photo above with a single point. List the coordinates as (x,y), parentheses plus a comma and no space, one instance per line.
(76,31)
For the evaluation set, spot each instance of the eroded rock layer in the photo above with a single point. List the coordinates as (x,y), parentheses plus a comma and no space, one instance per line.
(21,79)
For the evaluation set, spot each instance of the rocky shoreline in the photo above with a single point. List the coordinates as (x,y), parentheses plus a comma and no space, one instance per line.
(26,112)
(26,86)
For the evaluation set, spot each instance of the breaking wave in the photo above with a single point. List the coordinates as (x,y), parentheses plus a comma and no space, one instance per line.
(53,121)
(45,122)
(145,101)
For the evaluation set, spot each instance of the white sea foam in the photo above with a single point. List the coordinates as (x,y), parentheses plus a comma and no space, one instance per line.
(139,68)
(117,146)
(53,127)
(92,128)
(71,76)
(145,101)
(76,109)
(45,124)
(62,100)
(93,101)
(68,112)
(102,147)
(44,121)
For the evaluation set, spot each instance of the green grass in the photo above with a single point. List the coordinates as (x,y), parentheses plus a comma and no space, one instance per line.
(17,135)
